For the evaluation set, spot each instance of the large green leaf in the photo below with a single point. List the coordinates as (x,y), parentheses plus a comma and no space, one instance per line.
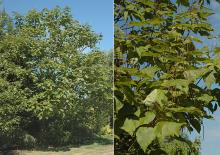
(181,84)
(153,21)
(166,128)
(149,71)
(145,136)
(130,125)
(210,79)
(195,74)
(156,96)
(192,110)
(118,105)
(205,98)
(149,117)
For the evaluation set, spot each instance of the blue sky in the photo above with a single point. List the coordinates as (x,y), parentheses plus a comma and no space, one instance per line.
(97,13)
(211,141)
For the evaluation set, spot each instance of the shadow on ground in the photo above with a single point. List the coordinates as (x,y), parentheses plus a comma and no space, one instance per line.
(100,140)
(98,145)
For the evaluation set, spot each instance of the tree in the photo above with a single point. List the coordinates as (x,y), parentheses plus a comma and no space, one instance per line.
(48,84)
(163,80)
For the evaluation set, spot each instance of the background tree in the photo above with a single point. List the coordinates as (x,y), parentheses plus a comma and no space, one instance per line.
(163,81)
(51,91)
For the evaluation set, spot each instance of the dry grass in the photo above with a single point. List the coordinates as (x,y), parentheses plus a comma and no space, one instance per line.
(94,149)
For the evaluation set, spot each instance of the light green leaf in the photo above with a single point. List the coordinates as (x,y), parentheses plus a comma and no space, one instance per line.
(149,71)
(192,75)
(142,49)
(118,105)
(181,84)
(209,80)
(217,50)
(156,96)
(126,15)
(156,21)
(138,112)
(153,21)
(196,39)
(205,98)
(166,128)
(145,136)
(130,125)
(149,117)
(187,110)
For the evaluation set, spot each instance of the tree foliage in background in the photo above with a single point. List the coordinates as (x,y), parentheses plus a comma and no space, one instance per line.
(51,91)
(166,79)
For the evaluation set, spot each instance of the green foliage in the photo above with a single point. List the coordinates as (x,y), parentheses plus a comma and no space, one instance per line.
(182,146)
(106,130)
(29,141)
(159,71)
(49,87)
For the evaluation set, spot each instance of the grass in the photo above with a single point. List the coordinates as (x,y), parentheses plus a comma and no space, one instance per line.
(102,145)
(92,149)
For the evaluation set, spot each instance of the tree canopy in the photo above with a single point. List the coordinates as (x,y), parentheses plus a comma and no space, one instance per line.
(51,89)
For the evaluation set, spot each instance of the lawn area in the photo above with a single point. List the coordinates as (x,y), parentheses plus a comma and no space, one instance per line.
(101,145)
(92,149)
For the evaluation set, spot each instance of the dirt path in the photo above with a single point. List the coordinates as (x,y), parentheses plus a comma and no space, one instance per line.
(94,149)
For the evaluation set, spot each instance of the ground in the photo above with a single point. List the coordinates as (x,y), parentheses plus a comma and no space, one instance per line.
(93,149)
(100,145)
